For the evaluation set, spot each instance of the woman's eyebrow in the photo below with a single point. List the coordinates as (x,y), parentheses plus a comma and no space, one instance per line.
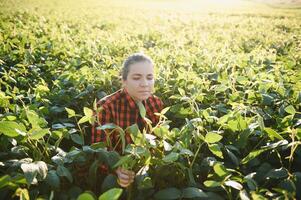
(137,74)
(142,74)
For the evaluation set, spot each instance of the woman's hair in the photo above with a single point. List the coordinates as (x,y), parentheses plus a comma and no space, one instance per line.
(132,59)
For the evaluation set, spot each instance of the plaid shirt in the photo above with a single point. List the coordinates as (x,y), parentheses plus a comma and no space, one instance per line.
(119,108)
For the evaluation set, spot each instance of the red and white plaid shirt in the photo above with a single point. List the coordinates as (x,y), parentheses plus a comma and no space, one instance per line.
(119,108)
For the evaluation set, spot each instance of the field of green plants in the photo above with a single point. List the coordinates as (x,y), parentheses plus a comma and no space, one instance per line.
(229,76)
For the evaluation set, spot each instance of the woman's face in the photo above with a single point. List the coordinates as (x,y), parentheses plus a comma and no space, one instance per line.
(140,80)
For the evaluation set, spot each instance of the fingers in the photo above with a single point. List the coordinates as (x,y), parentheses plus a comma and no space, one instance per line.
(125,177)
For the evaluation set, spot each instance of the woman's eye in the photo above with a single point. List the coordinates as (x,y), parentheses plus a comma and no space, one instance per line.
(150,78)
(136,78)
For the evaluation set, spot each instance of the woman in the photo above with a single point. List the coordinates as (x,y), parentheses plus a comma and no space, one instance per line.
(121,107)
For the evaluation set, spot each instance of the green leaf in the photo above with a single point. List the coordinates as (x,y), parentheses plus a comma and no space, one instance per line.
(220,170)
(164,110)
(261,123)
(242,80)
(186,152)
(88,112)
(273,134)
(277,173)
(109,182)
(234,184)
(145,183)
(112,194)
(171,157)
(77,139)
(255,153)
(215,149)
(192,192)
(83,119)
(142,110)
(123,160)
(252,155)
(168,193)
(267,99)
(4,180)
(232,157)
(35,120)
(290,109)
(42,88)
(71,113)
(85,196)
(22,193)
(181,91)
(107,126)
(212,137)
(63,171)
(210,183)
(38,134)
(9,128)
(233,125)
(53,179)
(94,168)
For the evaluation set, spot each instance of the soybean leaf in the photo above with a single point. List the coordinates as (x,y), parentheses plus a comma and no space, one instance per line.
(53,179)
(142,110)
(63,171)
(38,134)
(273,134)
(112,194)
(234,184)
(10,128)
(85,196)
(83,119)
(220,170)
(255,153)
(212,137)
(171,157)
(71,113)
(77,139)
(168,193)
(192,192)
(88,112)
(277,173)
(290,109)
(210,183)
(4,180)
(215,149)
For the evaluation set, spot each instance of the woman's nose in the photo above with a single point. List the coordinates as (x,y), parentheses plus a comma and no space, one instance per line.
(144,82)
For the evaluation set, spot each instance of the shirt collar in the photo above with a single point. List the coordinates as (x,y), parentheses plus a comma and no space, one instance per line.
(130,100)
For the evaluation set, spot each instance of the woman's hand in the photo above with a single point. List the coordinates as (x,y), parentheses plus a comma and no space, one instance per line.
(125,177)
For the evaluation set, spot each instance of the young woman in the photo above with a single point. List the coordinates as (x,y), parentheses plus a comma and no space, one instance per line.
(121,107)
